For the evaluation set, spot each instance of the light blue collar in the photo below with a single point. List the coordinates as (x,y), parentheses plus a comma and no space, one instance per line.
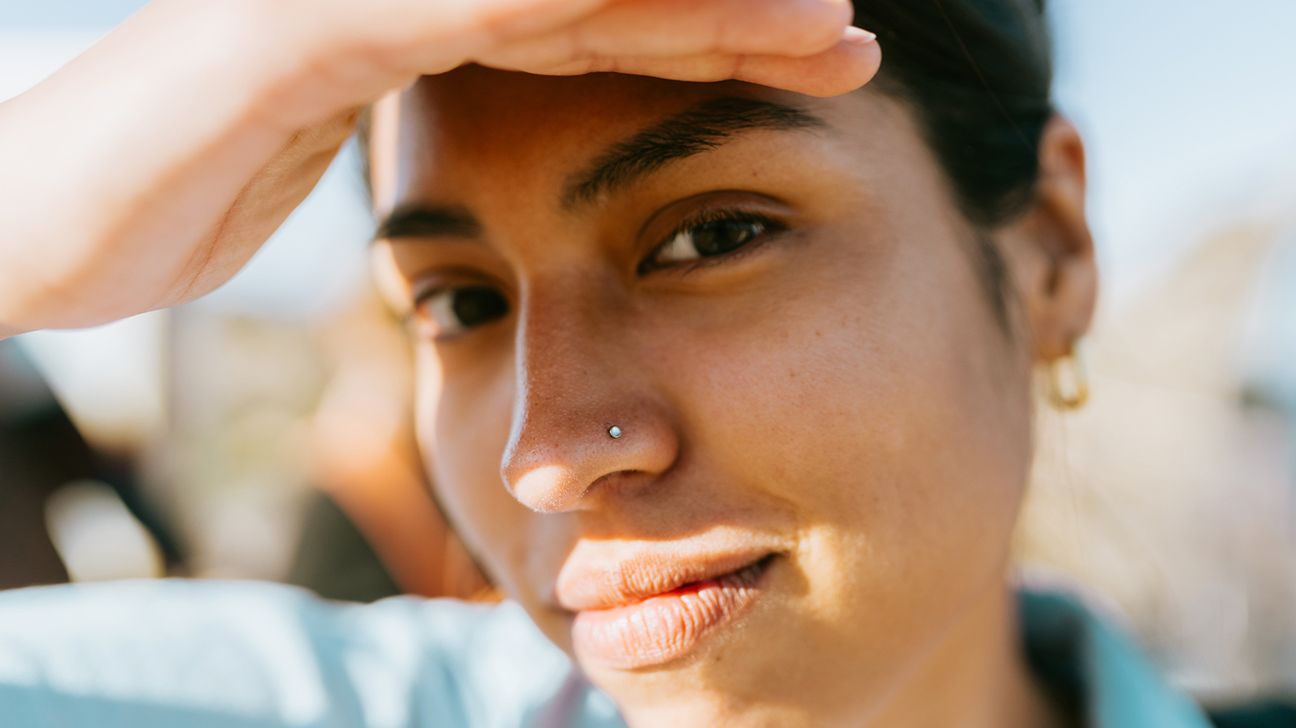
(1091,663)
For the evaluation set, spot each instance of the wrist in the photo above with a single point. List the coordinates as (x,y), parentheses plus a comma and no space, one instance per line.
(288,67)
(103,215)
(230,56)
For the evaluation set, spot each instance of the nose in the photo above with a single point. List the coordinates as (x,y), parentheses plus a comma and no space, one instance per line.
(587,419)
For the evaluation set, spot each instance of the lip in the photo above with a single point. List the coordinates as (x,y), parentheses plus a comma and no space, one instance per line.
(586,584)
(648,612)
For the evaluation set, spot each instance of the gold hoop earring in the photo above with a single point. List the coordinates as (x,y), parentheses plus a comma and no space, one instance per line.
(1068,381)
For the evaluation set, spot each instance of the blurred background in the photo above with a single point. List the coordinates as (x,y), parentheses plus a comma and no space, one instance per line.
(264,433)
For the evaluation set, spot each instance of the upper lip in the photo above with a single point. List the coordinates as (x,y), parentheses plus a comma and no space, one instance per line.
(592,582)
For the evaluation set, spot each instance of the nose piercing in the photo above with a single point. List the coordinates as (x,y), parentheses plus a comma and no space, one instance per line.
(614,432)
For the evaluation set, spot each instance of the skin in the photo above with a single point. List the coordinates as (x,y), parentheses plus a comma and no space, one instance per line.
(191,164)
(840,392)
(841,395)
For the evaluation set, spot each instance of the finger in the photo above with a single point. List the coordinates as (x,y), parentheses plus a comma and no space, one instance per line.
(848,65)
(420,36)
(331,55)
(663,28)
(845,67)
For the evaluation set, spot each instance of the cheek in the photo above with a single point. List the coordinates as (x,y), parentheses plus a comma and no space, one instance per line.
(881,402)
(462,433)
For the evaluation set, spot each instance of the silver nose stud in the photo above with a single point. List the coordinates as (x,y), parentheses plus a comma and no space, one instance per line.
(614,432)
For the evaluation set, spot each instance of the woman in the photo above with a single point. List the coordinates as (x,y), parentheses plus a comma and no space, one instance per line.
(752,359)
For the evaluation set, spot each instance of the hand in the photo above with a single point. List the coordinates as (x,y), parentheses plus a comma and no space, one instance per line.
(147,172)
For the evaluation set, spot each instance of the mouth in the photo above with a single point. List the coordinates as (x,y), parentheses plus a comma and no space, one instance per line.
(666,618)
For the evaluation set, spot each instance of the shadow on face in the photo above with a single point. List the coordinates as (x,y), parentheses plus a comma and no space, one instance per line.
(775,301)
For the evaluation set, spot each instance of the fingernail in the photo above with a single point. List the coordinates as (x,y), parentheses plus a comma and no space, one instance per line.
(858,36)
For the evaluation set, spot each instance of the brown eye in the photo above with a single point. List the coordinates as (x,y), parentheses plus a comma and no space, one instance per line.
(711,238)
(451,311)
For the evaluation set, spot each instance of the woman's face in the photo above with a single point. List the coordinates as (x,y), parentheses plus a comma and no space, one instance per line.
(824,430)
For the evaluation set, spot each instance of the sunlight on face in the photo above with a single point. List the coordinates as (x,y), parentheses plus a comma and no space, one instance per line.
(825,432)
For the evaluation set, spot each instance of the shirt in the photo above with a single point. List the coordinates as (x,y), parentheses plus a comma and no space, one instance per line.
(251,655)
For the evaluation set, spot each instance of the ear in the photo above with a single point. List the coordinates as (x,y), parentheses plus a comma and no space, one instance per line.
(1050,251)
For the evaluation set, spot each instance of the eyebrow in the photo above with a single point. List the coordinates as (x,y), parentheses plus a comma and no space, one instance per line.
(700,129)
(417,220)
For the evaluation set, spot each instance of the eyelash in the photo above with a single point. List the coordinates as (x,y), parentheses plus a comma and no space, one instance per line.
(772,228)
(411,318)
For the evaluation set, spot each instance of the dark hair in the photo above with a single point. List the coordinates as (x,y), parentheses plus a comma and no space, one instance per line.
(978,75)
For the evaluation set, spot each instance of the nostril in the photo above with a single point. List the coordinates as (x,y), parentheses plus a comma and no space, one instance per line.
(555,488)
(621,483)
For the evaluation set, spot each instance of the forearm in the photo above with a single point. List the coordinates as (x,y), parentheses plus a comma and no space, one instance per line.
(123,167)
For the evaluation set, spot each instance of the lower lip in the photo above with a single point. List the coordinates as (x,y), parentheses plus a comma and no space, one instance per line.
(666,627)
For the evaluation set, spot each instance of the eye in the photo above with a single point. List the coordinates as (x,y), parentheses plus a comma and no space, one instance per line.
(712,236)
(446,312)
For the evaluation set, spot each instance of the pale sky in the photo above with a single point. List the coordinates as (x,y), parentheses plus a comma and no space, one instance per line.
(1189,117)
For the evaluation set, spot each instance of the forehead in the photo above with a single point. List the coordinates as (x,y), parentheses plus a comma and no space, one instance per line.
(450,135)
